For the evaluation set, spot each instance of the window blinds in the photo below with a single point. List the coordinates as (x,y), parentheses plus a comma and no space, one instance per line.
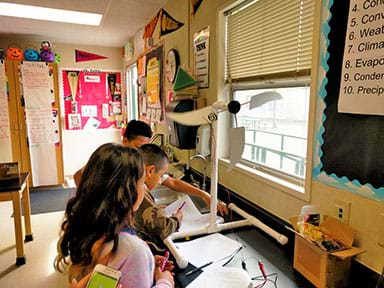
(266,38)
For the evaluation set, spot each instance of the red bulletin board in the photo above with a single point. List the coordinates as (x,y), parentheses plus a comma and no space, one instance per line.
(96,99)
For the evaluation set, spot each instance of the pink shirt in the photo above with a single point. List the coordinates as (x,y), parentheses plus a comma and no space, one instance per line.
(135,261)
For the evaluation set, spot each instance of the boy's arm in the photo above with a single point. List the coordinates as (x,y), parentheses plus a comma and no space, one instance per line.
(152,220)
(163,225)
(182,186)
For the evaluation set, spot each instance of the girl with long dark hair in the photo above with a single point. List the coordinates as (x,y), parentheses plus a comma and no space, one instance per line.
(97,227)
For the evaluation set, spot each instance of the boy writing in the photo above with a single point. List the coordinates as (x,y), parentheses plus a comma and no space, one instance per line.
(151,222)
(138,133)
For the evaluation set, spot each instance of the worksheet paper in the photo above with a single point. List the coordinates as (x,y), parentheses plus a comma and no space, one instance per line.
(192,218)
(223,277)
(214,247)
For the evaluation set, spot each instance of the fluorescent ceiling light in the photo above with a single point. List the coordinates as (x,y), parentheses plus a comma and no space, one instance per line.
(49,14)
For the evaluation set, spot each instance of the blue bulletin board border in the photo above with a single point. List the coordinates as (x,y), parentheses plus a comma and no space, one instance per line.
(344,183)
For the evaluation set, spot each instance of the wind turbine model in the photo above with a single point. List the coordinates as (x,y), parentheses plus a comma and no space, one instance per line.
(208,115)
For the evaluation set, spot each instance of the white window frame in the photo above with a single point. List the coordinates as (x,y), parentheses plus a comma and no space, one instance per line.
(132,100)
(304,82)
(259,173)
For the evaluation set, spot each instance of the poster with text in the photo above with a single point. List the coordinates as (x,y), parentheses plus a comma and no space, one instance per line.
(201,55)
(150,90)
(153,81)
(348,146)
(36,86)
(362,77)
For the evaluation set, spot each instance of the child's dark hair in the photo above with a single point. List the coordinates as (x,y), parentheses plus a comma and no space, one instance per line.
(153,155)
(137,128)
(103,203)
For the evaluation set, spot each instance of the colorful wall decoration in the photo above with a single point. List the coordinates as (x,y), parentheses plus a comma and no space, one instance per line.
(92,99)
(150,71)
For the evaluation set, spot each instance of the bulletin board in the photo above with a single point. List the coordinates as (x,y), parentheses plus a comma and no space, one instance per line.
(92,98)
(349,150)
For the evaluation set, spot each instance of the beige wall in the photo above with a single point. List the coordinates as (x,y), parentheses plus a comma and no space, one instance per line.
(79,145)
(364,213)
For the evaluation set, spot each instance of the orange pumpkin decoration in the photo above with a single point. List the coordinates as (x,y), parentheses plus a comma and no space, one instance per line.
(14,53)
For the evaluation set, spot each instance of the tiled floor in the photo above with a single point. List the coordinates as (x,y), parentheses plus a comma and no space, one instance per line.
(38,271)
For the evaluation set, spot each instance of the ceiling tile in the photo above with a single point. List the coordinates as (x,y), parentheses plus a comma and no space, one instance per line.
(122,19)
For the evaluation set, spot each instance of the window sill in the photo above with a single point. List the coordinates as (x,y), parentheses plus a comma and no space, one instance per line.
(275,182)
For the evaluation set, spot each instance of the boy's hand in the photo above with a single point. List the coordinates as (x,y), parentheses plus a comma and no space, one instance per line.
(179,215)
(222,208)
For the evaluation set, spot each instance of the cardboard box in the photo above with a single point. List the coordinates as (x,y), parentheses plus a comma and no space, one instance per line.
(322,268)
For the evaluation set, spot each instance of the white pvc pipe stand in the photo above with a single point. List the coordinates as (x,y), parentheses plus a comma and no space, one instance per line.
(214,227)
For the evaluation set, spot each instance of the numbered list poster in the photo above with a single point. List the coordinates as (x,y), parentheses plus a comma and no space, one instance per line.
(362,78)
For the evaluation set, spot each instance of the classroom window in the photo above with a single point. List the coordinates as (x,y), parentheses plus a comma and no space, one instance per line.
(131,105)
(269,48)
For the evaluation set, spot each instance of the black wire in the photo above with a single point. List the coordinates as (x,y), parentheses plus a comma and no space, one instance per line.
(236,120)
(234,253)
(266,280)
(230,220)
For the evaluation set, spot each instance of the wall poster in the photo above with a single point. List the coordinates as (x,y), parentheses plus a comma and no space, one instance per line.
(361,85)
(150,74)
(201,56)
(36,86)
(349,137)
(91,98)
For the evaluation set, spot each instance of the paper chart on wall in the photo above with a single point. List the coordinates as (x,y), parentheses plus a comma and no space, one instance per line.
(201,55)
(40,127)
(361,83)
(42,149)
(37,92)
(43,164)
(36,85)
(5,136)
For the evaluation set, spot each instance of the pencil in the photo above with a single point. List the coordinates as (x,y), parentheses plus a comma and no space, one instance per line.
(181,206)
(198,268)
(165,260)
